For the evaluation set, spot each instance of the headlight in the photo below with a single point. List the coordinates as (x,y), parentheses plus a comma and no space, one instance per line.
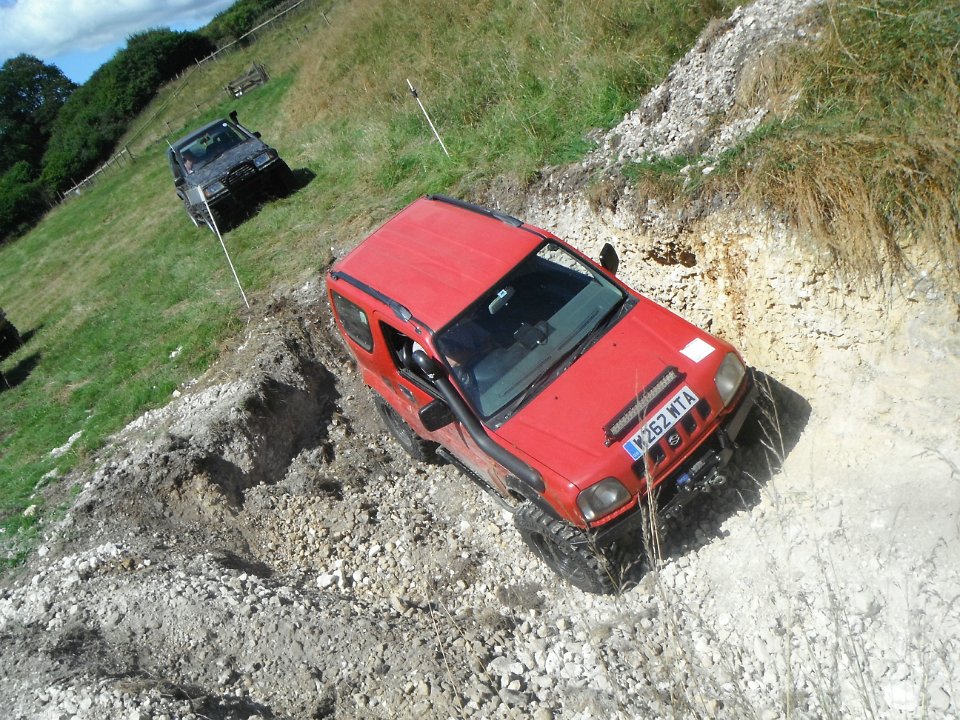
(729,376)
(263,158)
(214,188)
(602,499)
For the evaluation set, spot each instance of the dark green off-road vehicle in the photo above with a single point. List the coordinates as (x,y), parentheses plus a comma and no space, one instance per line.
(223,169)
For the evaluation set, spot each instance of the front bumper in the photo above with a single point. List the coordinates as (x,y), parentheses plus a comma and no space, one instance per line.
(247,184)
(704,470)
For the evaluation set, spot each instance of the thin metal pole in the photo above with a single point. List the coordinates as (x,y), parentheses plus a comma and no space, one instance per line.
(413,91)
(216,231)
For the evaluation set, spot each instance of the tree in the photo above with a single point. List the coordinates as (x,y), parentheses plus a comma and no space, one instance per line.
(239,18)
(31,94)
(21,200)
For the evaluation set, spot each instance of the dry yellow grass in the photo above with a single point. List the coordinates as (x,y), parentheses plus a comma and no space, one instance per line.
(868,162)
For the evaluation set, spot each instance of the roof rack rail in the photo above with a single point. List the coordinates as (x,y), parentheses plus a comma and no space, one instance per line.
(399,310)
(502,217)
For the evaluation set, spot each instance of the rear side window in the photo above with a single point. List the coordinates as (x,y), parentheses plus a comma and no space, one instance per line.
(354,321)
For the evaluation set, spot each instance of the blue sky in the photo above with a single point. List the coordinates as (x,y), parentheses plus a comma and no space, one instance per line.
(79,36)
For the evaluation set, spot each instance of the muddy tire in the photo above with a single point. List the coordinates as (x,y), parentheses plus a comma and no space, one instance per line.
(215,220)
(285,181)
(414,445)
(561,547)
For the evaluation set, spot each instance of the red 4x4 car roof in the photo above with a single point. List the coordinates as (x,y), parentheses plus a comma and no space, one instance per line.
(436,257)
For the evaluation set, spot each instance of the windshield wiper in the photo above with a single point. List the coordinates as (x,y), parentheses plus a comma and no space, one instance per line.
(608,319)
(535,387)
(568,358)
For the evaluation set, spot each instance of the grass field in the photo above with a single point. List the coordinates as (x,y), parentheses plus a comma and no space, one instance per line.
(122,299)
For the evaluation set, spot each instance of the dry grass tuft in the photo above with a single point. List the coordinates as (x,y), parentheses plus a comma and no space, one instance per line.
(869,161)
(862,143)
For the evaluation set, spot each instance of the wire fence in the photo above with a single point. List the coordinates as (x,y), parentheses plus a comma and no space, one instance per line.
(121,159)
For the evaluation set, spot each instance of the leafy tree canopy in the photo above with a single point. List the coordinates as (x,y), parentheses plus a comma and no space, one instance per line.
(31,94)
(21,200)
(238,19)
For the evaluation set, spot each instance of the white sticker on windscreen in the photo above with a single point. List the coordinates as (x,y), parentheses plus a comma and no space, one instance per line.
(697,349)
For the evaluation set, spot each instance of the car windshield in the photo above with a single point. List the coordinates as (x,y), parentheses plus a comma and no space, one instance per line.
(207,146)
(510,342)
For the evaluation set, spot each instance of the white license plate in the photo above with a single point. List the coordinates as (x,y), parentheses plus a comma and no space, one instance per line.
(668,416)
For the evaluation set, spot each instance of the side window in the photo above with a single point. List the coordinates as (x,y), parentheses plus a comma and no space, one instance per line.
(354,321)
(401,350)
(174,166)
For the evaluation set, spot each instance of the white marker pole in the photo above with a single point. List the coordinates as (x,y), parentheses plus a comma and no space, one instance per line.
(216,231)
(413,91)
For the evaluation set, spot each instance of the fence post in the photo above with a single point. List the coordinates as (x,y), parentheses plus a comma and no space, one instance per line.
(413,91)
(216,231)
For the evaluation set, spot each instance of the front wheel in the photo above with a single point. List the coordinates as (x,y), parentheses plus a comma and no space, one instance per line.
(567,551)
(414,445)
(285,183)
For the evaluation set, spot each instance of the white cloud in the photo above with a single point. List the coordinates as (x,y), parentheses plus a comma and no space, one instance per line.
(52,27)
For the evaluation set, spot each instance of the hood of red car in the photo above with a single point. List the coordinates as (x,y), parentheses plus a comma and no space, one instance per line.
(563,426)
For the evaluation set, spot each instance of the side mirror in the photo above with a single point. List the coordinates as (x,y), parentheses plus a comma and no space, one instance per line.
(179,182)
(436,415)
(609,260)
(233,116)
(256,134)
(428,366)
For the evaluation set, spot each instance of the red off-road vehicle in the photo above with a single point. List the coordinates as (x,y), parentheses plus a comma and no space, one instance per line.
(546,380)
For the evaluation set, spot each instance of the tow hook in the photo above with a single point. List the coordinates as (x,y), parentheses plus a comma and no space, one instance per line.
(718,479)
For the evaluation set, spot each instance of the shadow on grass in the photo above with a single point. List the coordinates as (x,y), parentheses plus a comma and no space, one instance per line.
(233,214)
(301,178)
(29,334)
(771,432)
(20,372)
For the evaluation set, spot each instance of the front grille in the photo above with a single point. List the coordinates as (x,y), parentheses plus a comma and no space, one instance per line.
(240,174)
(648,399)
(657,455)
(663,449)
(658,452)
(703,408)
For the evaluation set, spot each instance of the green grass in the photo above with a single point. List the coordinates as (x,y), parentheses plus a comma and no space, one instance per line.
(510,88)
(111,283)
(105,291)
(871,161)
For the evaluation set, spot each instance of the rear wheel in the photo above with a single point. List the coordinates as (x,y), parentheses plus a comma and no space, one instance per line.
(414,445)
(567,551)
